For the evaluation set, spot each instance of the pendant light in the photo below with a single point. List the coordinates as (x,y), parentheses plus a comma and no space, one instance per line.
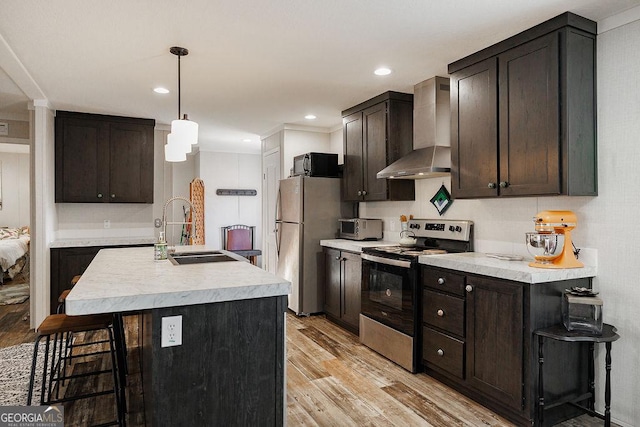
(184,133)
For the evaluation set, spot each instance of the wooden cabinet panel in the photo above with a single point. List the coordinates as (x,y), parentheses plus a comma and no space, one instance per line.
(443,311)
(333,272)
(101,159)
(376,133)
(529,118)
(353,178)
(443,351)
(342,292)
(524,114)
(351,282)
(495,339)
(65,264)
(474,131)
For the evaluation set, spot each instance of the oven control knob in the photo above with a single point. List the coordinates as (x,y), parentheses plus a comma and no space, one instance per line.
(388,292)
(468,288)
(440,352)
(441,281)
(440,313)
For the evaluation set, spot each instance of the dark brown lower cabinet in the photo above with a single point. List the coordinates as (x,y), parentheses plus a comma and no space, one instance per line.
(343,277)
(229,370)
(69,262)
(478,338)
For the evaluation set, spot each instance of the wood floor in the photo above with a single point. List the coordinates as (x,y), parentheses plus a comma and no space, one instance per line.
(332,380)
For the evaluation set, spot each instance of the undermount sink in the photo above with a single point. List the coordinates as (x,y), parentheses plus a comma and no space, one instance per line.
(200,257)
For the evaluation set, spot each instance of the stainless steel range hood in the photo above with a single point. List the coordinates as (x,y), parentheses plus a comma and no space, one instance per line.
(431,156)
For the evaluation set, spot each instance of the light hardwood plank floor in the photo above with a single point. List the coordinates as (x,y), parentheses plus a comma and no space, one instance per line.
(332,380)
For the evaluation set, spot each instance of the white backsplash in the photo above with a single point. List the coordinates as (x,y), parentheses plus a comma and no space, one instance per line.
(500,224)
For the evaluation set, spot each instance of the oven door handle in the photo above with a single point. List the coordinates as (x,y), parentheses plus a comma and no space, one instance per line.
(387,261)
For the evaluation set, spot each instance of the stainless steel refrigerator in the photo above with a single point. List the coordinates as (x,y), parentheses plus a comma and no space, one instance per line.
(308,209)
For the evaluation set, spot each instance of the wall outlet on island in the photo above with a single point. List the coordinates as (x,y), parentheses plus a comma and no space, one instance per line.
(171,331)
(107,223)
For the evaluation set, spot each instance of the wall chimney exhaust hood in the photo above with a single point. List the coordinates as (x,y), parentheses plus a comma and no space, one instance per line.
(431,155)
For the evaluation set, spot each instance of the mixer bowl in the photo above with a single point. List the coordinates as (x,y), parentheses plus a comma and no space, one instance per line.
(545,247)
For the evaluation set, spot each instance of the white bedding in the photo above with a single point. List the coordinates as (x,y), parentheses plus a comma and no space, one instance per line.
(13,249)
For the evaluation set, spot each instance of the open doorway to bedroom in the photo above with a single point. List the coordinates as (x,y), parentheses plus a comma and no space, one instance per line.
(15,214)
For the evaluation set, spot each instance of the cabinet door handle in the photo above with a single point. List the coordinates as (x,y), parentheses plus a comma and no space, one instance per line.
(504,184)
(113,196)
(364,193)
(338,258)
(344,259)
(492,185)
(359,193)
(440,313)
(468,288)
(441,281)
(99,195)
(440,352)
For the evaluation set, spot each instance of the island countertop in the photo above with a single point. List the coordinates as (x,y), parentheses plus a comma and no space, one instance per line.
(128,279)
(519,271)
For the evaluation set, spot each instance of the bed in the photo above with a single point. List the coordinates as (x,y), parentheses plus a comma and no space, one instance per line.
(14,251)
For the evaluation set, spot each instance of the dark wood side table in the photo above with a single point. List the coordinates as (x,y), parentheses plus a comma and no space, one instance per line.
(559,332)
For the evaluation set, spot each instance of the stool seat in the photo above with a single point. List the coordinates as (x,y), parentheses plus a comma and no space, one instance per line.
(63,296)
(61,323)
(75,279)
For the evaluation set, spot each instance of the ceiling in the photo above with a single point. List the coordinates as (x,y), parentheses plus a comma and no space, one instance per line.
(253,65)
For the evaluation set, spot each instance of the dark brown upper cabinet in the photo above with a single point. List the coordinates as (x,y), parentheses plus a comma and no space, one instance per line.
(523,114)
(376,133)
(103,159)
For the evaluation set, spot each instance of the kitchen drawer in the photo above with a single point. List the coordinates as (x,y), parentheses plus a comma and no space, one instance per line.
(443,352)
(443,311)
(443,281)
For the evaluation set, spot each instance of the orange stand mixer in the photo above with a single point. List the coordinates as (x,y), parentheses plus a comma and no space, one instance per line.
(551,243)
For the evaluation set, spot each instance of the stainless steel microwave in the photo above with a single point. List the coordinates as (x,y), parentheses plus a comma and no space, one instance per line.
(361,229)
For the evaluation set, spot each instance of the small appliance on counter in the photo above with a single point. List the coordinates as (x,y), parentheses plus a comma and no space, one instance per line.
(551,243)
(360,229)
(316,164)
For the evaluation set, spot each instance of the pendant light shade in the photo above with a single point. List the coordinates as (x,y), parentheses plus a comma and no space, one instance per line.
(184,133)
(174,152)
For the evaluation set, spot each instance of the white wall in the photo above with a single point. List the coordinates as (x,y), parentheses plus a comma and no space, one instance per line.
(15,185)
(231,171)
(607,224)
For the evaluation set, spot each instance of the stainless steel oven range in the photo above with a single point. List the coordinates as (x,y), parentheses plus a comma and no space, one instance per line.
(391,297)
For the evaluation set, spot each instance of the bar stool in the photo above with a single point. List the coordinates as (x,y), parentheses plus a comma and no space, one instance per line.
(560,333)
(57,325)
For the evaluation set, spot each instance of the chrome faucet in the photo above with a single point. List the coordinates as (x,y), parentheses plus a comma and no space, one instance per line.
(164,215)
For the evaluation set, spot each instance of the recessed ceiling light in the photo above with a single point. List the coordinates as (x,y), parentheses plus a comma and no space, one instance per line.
(161,90)
(246,140)
(382,71)
(310,117)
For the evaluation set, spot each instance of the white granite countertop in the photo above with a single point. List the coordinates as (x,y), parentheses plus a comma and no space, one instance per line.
(354,245)
(125,279)
(519,271)
(102,241)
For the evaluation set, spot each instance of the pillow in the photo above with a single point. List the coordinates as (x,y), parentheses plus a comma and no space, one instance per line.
(9,233)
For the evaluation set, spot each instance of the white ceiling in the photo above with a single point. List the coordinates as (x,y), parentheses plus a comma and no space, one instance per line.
(253,65)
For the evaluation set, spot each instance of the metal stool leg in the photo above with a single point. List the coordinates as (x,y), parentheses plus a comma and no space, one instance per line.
(540,381)
(607,387)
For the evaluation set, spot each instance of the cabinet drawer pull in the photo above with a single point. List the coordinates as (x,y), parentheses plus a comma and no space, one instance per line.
(504,184)
(441,281)
(468,288)
(99,195)
(440,352)
(440,313)
(113,196)
(492,185)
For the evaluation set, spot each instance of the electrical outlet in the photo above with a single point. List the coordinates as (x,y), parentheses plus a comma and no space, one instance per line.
(107,223)
(157,223)
(171,331)
(392,225)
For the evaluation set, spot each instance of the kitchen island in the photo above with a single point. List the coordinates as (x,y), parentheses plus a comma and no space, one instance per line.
(229,368)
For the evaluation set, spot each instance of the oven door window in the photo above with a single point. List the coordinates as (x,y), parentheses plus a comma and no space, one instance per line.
(388,295)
